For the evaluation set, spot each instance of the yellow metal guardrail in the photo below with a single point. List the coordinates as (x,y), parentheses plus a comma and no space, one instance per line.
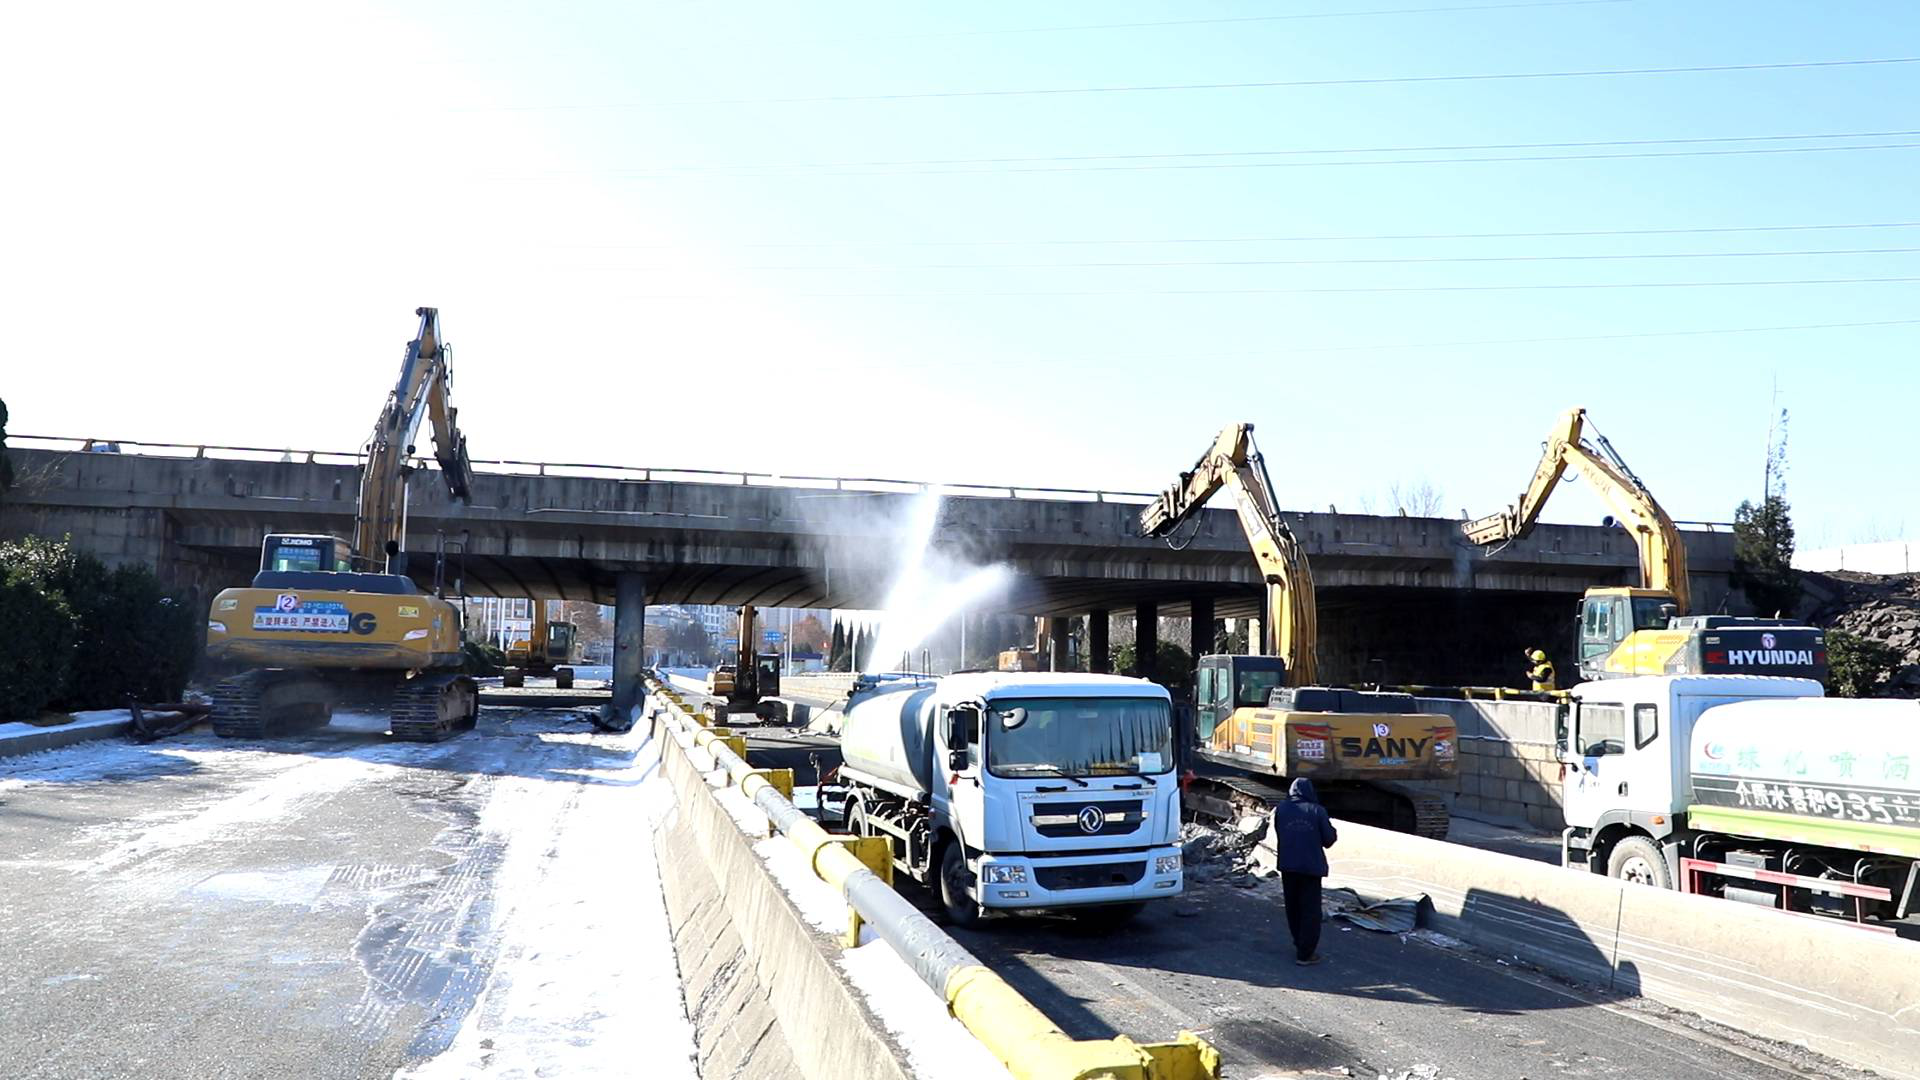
(1031,1046)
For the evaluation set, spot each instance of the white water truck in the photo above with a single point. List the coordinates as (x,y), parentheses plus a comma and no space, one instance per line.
(1013,792)
(1751,788)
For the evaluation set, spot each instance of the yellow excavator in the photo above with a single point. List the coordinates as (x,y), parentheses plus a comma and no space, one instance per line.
(546,650)
(1258,721)
(325,623)
(1649,629)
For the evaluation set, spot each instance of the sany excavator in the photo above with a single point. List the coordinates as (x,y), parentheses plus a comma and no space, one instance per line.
(1649,629)
(325,624)
(1258,722)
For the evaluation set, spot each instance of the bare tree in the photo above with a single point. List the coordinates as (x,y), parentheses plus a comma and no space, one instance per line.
(1420,499)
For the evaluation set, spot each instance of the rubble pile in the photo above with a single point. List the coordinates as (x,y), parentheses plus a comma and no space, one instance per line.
(1885,609)
(1209,853)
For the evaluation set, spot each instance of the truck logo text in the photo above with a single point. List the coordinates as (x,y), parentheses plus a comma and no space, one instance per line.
(1765,657)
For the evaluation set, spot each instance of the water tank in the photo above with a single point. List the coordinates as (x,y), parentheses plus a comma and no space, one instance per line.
(887,733)
(1863,757)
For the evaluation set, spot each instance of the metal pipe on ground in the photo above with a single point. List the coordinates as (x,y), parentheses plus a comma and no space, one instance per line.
(1031,1046)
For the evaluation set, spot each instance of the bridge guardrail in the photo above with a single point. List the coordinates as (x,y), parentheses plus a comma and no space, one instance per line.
(1031,1046)
(584,470)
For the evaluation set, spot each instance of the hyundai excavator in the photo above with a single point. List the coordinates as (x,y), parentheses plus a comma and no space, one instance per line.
(1649,629)
(326,623)
(1259,721)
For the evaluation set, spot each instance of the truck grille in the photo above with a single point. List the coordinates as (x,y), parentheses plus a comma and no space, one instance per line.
(1062,819)
(1097,876)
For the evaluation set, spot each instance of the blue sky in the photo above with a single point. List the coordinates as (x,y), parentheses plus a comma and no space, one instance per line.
(637,237)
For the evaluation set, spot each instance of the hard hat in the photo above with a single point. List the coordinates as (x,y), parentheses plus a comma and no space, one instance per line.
(1537,656)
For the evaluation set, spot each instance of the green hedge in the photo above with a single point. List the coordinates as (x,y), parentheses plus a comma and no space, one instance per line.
(123,635)
(37,636)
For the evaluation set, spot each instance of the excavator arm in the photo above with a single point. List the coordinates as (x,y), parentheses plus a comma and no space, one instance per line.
(1288,630)
(420,394)
(1663,557)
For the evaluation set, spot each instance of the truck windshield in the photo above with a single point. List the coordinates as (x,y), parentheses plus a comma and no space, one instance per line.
(1079,737)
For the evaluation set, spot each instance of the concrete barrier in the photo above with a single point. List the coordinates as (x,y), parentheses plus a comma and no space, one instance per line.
(19,738)
(1839,990)
(782,978)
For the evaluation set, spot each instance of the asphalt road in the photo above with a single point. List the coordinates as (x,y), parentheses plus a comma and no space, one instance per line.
(320,906)
(1218,962)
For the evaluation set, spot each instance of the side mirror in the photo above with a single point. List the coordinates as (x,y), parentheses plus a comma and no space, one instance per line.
(956,760)
(1566,722)
(961,723)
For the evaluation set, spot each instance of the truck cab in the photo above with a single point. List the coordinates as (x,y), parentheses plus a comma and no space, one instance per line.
(1042,791)
(1625,745)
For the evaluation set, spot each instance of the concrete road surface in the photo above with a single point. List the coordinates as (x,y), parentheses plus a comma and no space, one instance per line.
(331,905)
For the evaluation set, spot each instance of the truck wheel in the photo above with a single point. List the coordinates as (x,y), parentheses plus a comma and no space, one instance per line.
(1638,860)
(956,887)
(857,819)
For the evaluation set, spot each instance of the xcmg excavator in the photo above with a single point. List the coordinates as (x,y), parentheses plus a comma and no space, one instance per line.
(1258,720)
(1649,629)
(325,623)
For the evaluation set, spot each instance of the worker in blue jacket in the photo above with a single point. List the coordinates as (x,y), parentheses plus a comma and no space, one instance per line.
(1302,833)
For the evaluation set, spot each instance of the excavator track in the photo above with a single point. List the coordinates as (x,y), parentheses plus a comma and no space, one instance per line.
(1431,818)
(1229,797)
(255,704)
(430,708)
(237,708)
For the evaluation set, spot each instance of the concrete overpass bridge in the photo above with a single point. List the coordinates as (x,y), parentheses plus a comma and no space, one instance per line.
(1402,592)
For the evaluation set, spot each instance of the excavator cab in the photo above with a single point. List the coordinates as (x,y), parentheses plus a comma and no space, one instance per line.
(1607,616)
(1225,683)
(559,643)
(304,552)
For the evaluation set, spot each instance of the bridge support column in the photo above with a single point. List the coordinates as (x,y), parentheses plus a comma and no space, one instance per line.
(629,646)
(1146,639)
(1200,638)
(1059,643)
(1099,657)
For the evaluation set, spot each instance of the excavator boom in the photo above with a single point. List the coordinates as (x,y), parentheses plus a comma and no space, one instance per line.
(421,393)
(1663,557)
(1288,629)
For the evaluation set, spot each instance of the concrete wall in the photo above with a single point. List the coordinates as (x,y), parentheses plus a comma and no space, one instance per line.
(1848,993)
(1507,767)
(754,970)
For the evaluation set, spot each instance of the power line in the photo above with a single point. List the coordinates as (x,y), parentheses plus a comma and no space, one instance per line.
(1278,18)
(1502,159)
(1302,238)
(1415,260)
(1314,290)
(1608,337)
(1505,76)
(1189,155)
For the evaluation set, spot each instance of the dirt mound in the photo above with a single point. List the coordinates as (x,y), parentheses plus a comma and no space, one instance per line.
(1879,608)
